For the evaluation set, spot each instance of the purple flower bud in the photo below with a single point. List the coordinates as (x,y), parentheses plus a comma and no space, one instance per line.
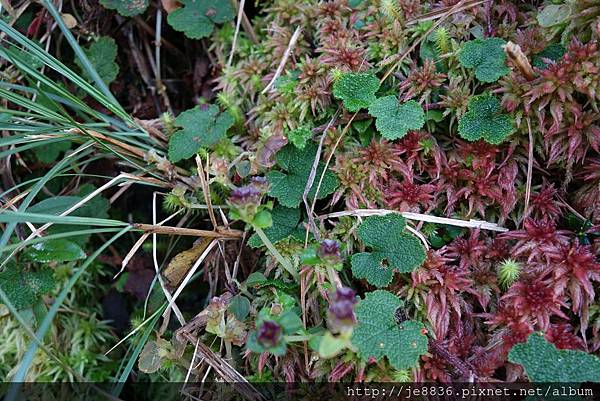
(342,310)
(345,294)
(329,251)
(269,333)
(260,183)
(341,315)
(245,196)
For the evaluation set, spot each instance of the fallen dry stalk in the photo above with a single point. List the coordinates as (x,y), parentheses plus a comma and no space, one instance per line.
(169,230)
(484,225)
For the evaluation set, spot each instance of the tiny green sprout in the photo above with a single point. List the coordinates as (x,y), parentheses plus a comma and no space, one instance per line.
(508,272)
(401,376)
(172,203)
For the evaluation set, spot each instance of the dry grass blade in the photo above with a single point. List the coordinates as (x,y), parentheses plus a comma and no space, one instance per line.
(168,230)
(225,370)
(484,225)
(284,59)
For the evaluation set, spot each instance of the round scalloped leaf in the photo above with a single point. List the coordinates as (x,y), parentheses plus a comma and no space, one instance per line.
(356,90)
(102,55)
(395,119)
(486,56)
(127,8)
(553,14)
(288,185)
(543,362)
(200,127)
(197,18)
(378,335)
(485,120)
(391,250)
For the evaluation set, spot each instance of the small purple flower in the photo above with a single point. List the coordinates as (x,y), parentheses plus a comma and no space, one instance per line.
(345,294)
(341,309)
(247,195)
(329,251)
(260,183)
(269,333)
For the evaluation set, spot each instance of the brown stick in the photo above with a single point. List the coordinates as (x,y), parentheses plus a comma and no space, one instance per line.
(169,230)
(131,149)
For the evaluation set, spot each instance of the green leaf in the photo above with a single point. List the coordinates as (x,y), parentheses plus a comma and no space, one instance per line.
(543,362)
(200,127)
(484,120)
(553,14)
(377,334)
(391,250)
(262,219)
(127,8)
(288,185)
(356,90)
(25,287)
(330,346)
(395,119)
(54,250)
(299,137)
(239,306)
(97,207)
(197,18)
(285,224)
(290,322)
(486,56)
(48,153)
(553,52)
(102,55)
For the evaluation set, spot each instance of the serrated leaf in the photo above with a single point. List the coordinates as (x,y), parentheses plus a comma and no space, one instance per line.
(553,14)
(197,18)
(127,8)
(102,55)
(356,90)
(54,250)
(286,223)
(391,250)
(395,119)
(288,185)
(484,120)
(486,56)
(200,127)
(23,288)
(543,362)
(378,335)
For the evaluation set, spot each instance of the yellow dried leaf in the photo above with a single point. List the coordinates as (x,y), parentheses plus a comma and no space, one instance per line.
(182,262)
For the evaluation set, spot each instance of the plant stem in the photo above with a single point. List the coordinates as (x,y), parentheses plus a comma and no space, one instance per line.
(283,261)
(298,338)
